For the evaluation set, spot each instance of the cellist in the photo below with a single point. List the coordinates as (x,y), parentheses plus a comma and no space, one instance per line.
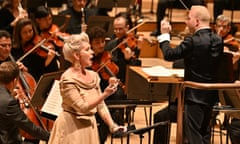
(231,44)
(11,122)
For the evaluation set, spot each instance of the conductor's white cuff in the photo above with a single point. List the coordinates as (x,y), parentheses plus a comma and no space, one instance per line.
(163,37)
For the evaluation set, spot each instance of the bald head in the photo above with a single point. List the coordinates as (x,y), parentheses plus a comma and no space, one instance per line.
(198,17)
(201,13)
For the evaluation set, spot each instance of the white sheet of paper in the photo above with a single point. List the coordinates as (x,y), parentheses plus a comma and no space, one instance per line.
(160,71)
(53,103)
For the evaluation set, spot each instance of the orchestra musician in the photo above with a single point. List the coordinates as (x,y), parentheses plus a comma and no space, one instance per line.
(5,39)
(42,59)
(125,51)
(47,29)
(82,97)
(97,37)
(10,13)
(79,16)
(11,122)
(231,44)
(125,48)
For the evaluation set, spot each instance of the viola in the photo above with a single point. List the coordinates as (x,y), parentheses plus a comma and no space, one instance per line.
(54,35)
(106,67)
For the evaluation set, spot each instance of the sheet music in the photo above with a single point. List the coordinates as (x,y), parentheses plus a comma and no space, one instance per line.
(160,71)
(53,104)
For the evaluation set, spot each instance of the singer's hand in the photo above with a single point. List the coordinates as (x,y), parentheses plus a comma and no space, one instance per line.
(113,82)
(112,87)
(120,128)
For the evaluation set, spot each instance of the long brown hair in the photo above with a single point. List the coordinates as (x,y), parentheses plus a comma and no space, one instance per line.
(18,28)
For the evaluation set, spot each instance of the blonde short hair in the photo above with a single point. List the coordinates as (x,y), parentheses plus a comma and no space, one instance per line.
(74,43)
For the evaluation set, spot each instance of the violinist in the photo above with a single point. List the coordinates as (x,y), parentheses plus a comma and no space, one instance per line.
(47,29)
(231,45)
(124,54)
(97,37)
(9,125)
(42,59)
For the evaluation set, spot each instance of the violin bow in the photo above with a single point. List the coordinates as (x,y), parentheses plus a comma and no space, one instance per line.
(137,26)
(30,51)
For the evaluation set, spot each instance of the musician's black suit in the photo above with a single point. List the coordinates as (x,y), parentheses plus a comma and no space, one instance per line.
(201,53)
(12,118)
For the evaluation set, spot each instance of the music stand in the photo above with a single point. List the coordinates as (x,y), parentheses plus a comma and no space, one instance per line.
(141,131)
(43,86)
(54,3)
(113,3)
(104,22)
(33,4)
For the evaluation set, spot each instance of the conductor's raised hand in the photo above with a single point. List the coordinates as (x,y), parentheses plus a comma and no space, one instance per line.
(165,26)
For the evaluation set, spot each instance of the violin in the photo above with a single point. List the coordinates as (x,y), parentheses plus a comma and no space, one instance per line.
(42,50)
(231,43)
(54,35)
(130,42)
(106,67)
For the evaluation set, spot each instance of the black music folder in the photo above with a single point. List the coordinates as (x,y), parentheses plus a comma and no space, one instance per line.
(104,22)
(42,91)
(113,3)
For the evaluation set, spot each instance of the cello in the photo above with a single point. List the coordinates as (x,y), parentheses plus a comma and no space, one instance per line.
(25,88)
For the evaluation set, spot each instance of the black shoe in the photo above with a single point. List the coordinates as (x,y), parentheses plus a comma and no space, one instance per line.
(155,33)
